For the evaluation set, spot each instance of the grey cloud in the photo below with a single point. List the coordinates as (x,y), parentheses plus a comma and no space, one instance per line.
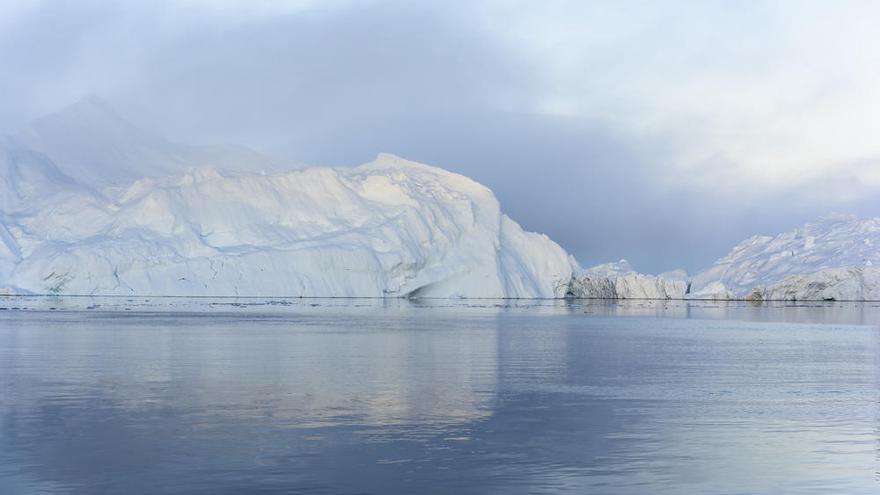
(426,81)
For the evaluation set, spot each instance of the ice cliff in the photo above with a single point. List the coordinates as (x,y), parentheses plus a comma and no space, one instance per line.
(390,227)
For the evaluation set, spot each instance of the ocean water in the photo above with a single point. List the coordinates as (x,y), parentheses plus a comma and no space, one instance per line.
(230,396)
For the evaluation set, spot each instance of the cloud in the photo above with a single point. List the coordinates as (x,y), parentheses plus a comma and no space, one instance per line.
(660,132)
(781,90)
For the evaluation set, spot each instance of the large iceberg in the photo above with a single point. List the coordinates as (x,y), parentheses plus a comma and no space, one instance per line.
(835,258)
(391,227)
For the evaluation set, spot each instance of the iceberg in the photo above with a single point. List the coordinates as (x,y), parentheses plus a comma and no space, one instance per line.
(388,228)
(834,258)
(74,220)
(619,280)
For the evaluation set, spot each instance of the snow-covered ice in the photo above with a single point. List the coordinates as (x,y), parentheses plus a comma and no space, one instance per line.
(120,223)
(390,227)
(619,280)
(835,258)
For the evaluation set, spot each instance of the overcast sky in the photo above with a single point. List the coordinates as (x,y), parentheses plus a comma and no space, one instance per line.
(662,132)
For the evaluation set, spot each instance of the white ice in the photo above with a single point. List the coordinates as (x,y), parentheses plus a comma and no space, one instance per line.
(90,204)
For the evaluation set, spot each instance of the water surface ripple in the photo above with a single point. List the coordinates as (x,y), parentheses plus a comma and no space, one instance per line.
(336,396)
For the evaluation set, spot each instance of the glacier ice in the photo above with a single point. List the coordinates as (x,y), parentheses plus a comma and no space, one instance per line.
(619,280)
(834,258)
(93,205)
(388,228)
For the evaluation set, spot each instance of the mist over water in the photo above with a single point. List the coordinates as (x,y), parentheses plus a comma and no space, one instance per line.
(335,396)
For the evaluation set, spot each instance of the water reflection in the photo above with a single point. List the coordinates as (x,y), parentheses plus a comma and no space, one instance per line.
(420,397)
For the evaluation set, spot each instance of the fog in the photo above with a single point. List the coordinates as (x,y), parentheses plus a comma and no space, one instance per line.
(661,133)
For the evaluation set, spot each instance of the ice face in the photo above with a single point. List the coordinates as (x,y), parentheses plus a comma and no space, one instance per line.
(388,228)
(93,205)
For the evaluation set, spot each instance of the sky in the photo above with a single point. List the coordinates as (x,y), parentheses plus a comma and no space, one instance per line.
(661,132)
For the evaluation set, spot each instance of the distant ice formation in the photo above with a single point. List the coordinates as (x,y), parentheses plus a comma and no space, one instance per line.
(835,258)
(619,281)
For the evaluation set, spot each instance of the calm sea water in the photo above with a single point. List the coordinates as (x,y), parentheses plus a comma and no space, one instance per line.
(332,396)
